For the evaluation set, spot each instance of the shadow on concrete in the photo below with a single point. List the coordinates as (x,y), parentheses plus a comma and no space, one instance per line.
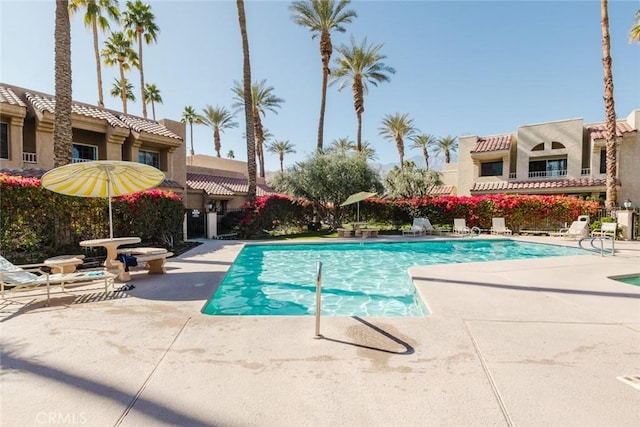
(186,286)
(408,349)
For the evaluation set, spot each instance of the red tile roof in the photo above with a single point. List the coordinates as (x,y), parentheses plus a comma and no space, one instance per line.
(506,186)
(599,131)
(8,96)
(442,190)
(143,125)
(223,185)
(492,143)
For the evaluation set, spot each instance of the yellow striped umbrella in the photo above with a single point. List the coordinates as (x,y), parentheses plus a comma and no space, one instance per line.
(102,178)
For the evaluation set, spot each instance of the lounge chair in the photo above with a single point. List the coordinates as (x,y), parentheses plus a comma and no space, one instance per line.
(417,228)
(29,277)
(577,230)
(460,227)
(498,226)
(607,229)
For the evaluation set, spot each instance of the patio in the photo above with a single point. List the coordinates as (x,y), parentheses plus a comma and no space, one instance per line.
(524,343)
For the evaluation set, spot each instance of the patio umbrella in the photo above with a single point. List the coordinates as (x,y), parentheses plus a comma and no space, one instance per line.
(102,178)
(357,198)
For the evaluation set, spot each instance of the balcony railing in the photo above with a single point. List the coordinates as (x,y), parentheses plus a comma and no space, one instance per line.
(512,175)
(548,174)
(77,160)
(29,158)
(585,171)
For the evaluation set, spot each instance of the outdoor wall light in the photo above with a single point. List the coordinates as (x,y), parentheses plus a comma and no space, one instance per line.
(627,204)
(210,205)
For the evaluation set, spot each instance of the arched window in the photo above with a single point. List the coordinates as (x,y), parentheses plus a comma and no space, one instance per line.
(557,145)
(539,147)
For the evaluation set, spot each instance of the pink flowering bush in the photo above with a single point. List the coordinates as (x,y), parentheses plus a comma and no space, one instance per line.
(273,212)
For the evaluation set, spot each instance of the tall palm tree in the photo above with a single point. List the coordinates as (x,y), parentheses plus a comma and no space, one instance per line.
(140,24)
(359,65)
(424,141)
(116,89)
(342,145)
(62,130)
(263,99)
(321,17)
(97,14)
(218,119)
(190,116)
(609,109)
(281,148)
(117,50)
(152,95)
(248,102)
(634,33)
(395,128)
(446,146)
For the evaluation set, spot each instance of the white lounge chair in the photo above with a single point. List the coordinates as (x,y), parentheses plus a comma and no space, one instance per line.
(29,277)
(498,226)
(417,228)
(429,228)
(577,230)
(460,227)
(607,229)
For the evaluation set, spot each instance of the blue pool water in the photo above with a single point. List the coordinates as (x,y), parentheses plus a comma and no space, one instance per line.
(358,279)
(631,280)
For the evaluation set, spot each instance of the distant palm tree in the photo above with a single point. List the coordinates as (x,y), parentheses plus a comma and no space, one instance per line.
(609,109)
(424,141)
(116,89)
(281,148)
(218,119)
(634,33)
(368,151)
(190,116)
(446,145)
(263,99)
(231,154)
(117,50)
(321,17)
(395,128)
(248,102)
(140,24)
(97,14)
(152,95)
(62,129)
(342,145)
(357,66)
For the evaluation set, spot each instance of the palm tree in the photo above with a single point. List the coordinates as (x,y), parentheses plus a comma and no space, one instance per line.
(321,17)
(281,148)
(342,145)
(396,128)
(140,24)
(97,14)
(446,145)
(609,109)
(117,49)
(634,33)
(116,89)
(62,130)
(359,65)
(152,95)
(190,116)
(368,152)
(262,99)
(248,102)
(231,154)
(218,119)
(424,141)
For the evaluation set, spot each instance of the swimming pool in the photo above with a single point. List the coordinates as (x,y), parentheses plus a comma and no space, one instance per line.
(634,279)
(358,279)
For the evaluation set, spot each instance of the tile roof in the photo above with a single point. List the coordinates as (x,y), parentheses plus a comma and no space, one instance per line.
(599,131)
(503,186)
(143,125)
(8,96)
(492,143)
(442,190)
(223,185)
(48,104)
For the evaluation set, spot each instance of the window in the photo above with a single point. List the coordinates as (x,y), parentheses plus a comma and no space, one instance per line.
(548,168)
(557,145)
(84,153)
(539,147)
(150,158)
(491,168)
(603,161)
(4,141)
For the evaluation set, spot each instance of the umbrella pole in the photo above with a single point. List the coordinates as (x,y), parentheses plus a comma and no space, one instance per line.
(110,212)
(358,213)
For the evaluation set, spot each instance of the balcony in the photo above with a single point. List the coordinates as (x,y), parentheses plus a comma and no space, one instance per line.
(585,171)
(29,158)
(512,175)
(548,174)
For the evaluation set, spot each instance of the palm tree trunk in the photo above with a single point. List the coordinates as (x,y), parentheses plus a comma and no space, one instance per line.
(447,156)
(216,140)
(259,141)
(191,132)
(325,51)
(144,101)
(425,153)
(610,112)
(281,162)
(62,131)
(248,102)
(96,51)
(123,89)
(153,109)
(358,104)
(400,147)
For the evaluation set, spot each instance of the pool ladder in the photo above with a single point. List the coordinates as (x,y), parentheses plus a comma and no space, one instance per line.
(318,298)
(601,249)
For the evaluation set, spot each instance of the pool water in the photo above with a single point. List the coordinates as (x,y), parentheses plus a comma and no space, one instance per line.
(631,280)
(358,279)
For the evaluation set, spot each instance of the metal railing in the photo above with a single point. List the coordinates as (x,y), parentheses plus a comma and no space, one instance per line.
(318,298)
(548,174)
(585,171)
(29,157)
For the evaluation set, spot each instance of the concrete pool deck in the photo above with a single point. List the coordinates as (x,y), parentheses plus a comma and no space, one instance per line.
(525,343)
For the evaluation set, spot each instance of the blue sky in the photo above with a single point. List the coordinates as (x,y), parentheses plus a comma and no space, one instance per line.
(462,67)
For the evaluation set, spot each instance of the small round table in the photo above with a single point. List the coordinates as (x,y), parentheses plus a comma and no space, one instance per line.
(64,263)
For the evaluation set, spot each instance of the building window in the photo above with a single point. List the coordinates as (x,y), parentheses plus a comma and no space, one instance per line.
(557,145)
(603,161)
(539,147)
(84,153)
(548,168)
(4,141)
(150,158)
(491,168)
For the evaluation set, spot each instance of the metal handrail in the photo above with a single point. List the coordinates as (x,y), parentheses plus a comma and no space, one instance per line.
(318,298)
(601,239)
